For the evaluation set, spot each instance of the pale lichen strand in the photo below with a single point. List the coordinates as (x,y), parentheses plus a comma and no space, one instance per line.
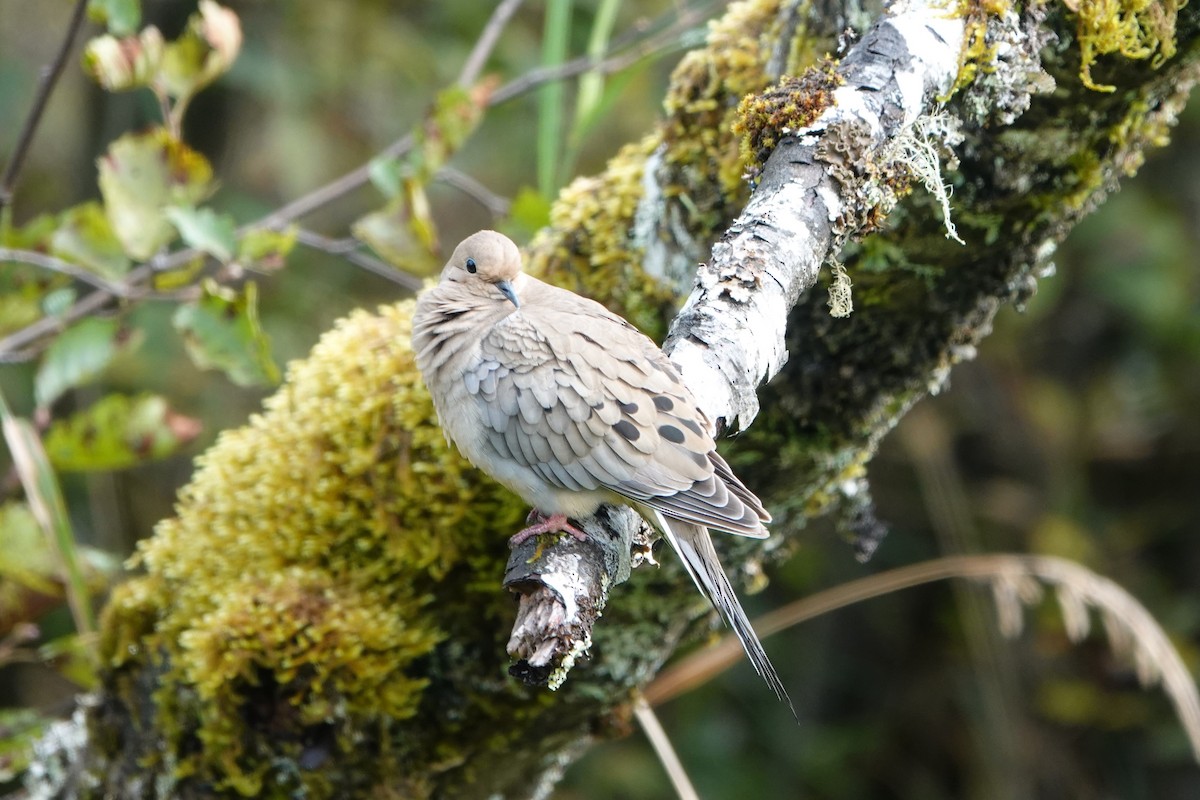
(298,574)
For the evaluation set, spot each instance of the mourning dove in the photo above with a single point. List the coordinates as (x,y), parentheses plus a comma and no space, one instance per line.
(570,406)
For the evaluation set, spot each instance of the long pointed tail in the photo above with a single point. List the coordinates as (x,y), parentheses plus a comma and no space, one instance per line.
(695,548)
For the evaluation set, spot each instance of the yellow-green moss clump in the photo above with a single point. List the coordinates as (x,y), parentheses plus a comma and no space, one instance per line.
(598,259)
(1137,29)
(790,104)
(297,578)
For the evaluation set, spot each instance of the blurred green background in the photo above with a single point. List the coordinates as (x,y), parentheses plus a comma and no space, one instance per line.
(1076,432)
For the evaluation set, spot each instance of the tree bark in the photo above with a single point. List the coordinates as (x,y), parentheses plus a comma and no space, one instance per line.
(324,615)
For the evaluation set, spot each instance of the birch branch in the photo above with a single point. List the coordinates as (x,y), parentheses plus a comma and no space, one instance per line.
(729,337)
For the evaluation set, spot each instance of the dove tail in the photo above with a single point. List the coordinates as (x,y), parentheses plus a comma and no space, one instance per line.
(695,549)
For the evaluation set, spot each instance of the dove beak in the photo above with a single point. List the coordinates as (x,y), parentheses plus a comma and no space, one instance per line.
(506,288)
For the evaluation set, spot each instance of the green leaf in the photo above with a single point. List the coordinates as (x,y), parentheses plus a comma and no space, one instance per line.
(77,356)
(552,96)
(387,174)
(127,63)
(20,730)
(25,555)
(57,302)
(118,432)
(71,657)
(205,51)
(221,331)
(205,229)
(390,233)
(140,176)
(529,212)
(266,250)
(84,237)
(121,17)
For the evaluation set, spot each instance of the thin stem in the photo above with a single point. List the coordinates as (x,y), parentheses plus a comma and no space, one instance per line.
(487,42)
(663,749)
(348,249)
(49,79)
(495,204)
(43,261)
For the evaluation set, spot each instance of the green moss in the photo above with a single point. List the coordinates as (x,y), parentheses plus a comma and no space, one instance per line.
(295,583)
(790,104)
(598,259)
(1137,29)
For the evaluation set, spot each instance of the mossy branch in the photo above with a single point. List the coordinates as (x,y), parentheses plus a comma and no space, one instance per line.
(323,615)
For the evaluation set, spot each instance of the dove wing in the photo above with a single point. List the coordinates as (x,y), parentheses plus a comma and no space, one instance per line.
(585,401)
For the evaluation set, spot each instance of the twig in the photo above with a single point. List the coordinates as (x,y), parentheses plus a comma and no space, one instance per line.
(495,204)
(662,748)
(43,261)
(46,85)
(1131,628)
(348,249)
(486,42)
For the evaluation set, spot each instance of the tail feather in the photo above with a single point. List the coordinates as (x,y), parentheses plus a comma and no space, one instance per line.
(695,549)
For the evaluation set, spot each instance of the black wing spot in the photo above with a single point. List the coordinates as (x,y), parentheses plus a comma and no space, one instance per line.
(629,408)
(663,403)
(693,426)
(671,433)
(626,429)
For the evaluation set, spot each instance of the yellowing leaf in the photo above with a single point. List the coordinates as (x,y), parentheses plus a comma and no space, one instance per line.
(221,331)
(118,432)
(266,250)
(390,233)
(126,63)
(206,50)
(140,176)
(25,555)
(84,237)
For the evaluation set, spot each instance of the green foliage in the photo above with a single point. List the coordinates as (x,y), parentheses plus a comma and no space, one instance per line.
(221,331)
(141,177)
(77,357)
(85,237)
(118,432)
(205,230)
(121,17)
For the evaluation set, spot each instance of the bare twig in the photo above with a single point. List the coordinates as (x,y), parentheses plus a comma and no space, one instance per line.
(1132,630)
(495,204)
(43,261)
(663,749)
(348,249)
(486,42)
(46,84)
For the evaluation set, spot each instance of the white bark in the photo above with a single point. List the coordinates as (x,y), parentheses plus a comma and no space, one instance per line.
(729,337)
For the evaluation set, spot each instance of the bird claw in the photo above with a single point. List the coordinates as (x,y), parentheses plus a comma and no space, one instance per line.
(555,523)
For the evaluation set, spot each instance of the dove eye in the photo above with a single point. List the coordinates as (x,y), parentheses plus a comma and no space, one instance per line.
(471,265)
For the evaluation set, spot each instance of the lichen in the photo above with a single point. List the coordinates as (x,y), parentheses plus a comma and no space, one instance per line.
(292,592)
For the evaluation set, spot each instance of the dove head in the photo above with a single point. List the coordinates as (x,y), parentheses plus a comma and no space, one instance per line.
(488,264)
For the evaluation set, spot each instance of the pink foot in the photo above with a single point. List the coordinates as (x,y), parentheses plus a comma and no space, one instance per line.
(555,523)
